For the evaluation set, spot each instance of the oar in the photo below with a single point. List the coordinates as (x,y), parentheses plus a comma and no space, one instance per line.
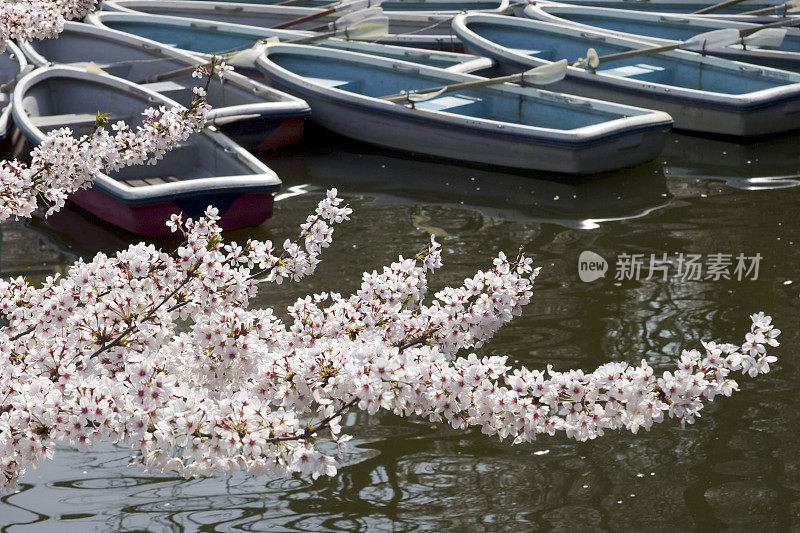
(716,7)
(698,43)
(349,18)
(541,75)
(782,9)
(368,28)
(357,28)
(345,6)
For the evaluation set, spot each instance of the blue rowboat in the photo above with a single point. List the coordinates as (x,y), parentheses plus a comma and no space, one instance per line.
(428,7)
(12,64)
(701,93)
(254,115)
(504,125)
(206,38)
(420,30)
(206,169)
(666,28)
(672,6)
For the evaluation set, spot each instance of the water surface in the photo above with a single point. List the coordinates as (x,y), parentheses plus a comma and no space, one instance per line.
(737,468)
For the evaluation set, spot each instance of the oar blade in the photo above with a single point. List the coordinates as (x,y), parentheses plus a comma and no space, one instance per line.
(247,58)
(546,74)
(768,37)
(370,28)
(354,5)
(351,18)
(711,40)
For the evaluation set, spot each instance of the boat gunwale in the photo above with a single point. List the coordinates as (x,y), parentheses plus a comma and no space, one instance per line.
(5,115)
(299,11)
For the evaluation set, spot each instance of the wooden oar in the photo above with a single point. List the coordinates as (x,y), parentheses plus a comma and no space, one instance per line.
(781,9)
(353,28)
(346,6)
(700,42)
(541,75)
(716,7)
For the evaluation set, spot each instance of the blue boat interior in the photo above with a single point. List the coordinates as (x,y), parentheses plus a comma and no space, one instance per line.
(666,7)
(398,5)
(136,63)
(661,29)
(546,45)
(491,103)
(74,103)
(188,38)
(206,41)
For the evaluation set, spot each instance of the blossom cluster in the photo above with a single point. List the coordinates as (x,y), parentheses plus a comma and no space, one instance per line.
(39,19)
(161,352)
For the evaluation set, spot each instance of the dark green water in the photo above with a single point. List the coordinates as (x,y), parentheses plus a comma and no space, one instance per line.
(738,468)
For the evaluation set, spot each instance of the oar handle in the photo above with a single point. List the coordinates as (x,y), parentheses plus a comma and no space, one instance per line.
(401,97)
(779,24)
(769,10)
(716,7)
(639,52)
(170,74)
(307,18)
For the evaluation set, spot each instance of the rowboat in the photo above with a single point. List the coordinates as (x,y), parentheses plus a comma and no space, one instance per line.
(701,93)
(205,38)
(504,125)
(254,115)
(207,169)
(12,64)
(665,28)
(676,6)
(429,7)
(420,30)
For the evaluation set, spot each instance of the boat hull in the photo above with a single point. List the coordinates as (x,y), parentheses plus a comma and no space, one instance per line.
(774,118)
(409,134)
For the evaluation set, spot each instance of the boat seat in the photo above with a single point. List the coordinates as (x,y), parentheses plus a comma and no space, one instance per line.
(640,71)
(72,120)
(68,120)
(151,180)
(164,86)
(540,54)
(447,103)
(335,84)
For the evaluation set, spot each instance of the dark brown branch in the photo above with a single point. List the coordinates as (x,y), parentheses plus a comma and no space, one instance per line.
(130,328)
(309,431)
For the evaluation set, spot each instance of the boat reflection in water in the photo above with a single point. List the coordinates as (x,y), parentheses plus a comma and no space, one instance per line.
(764,163)
(394,178)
